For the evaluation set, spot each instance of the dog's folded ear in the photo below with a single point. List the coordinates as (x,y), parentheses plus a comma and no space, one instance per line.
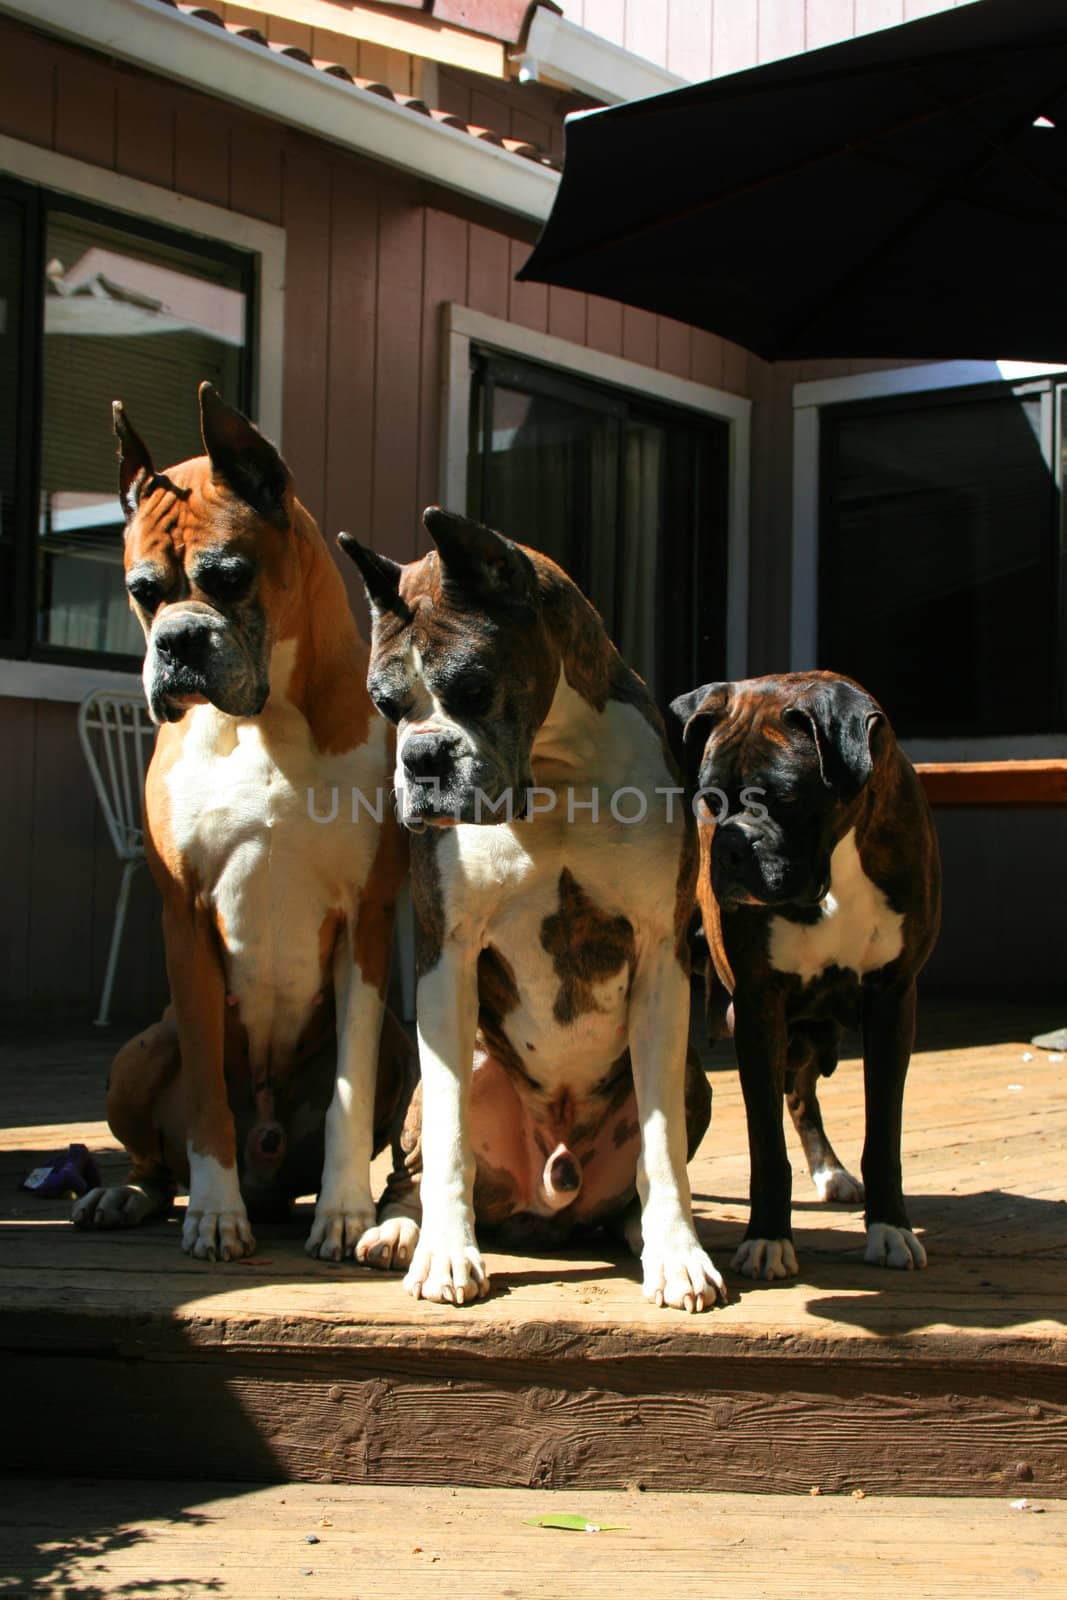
(135,463)
(843,719)
(242,459)
(478,562)
(698,712)
(381,577)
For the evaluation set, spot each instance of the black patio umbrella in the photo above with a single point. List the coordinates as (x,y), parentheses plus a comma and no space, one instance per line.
(901,194)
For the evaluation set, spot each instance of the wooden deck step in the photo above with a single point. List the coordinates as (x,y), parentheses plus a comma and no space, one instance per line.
(175,1541)
(125,1358)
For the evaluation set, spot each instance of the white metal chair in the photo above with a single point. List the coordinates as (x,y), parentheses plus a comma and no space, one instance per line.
(117,736)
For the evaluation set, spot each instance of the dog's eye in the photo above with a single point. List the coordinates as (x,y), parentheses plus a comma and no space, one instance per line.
(389,705)
(147,592)
(471,694)
(228,583)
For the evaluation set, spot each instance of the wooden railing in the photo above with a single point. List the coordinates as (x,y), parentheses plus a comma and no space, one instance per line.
(991,784)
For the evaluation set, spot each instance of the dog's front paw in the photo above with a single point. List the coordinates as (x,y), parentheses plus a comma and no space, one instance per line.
(835,1186)
(447,1269)
(888,1246)
(340,1223)
(120,1206)
(389,1245)
(766,1258)
(678,1273)
(217,1235)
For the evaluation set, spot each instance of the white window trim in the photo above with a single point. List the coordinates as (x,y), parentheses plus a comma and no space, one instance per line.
(39,680)
(461,327)
(808,399)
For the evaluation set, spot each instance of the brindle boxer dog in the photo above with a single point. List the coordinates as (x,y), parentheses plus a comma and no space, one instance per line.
(277,926)
(552,952)
(820,897)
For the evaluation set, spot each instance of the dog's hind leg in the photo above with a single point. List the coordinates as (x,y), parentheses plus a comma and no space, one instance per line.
(813,1055)
(140,1093)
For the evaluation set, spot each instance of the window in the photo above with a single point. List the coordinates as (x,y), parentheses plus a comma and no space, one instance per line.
(96,306)
(940,567)
(629,496)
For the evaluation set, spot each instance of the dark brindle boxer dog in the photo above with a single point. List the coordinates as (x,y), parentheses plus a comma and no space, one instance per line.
(820,896)
(552,947)
(277,926)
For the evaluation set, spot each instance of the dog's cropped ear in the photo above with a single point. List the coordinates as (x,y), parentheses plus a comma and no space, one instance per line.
(698,712)
(844,720)
(381,577)
(135,464)
(243,459)
(479,562)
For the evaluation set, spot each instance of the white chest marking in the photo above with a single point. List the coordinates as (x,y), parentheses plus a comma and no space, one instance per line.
(858,929)
(503,882)
(242,800)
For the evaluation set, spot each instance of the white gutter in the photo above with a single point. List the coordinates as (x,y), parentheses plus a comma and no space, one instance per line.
(174,45)
(558,49)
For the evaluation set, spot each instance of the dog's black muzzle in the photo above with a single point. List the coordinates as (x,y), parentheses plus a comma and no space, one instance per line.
(195,654)
(752,863)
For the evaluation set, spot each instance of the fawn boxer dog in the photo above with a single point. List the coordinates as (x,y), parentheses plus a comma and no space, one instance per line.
(819,890)
(277,925)
(553,997)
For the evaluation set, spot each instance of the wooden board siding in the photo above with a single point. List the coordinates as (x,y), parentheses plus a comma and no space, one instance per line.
(61,877)
(371,258)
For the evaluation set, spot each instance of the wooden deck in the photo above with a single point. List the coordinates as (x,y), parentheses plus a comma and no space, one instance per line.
(124,1358)
(179,1541)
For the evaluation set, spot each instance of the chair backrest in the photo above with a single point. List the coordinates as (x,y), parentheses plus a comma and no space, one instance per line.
(117,736)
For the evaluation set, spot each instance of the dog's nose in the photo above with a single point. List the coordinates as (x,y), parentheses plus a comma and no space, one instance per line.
(186,643)
(731,847)
(426,755)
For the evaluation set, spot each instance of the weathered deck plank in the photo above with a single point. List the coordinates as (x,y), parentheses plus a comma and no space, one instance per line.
(174,1541)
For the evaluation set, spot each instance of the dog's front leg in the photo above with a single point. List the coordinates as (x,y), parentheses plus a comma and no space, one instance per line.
(760,1038)
(888,1036)
(345,1210)
(676,1271)
(216,1222)
(447,1265)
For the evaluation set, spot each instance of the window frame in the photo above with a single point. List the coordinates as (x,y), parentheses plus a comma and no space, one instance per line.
(42,177)
(925,383)
(461,328)
(705,561)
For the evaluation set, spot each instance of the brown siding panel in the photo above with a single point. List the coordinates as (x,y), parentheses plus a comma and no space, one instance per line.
(256,169)
(144,134)
(604,326)
(639,336)
(673,347)
(444,280)
(27,86)
(202,149)
(487,272)
(85,109)
(350,385)
(527,302)
(399,343)
(567,315)
(307,333)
